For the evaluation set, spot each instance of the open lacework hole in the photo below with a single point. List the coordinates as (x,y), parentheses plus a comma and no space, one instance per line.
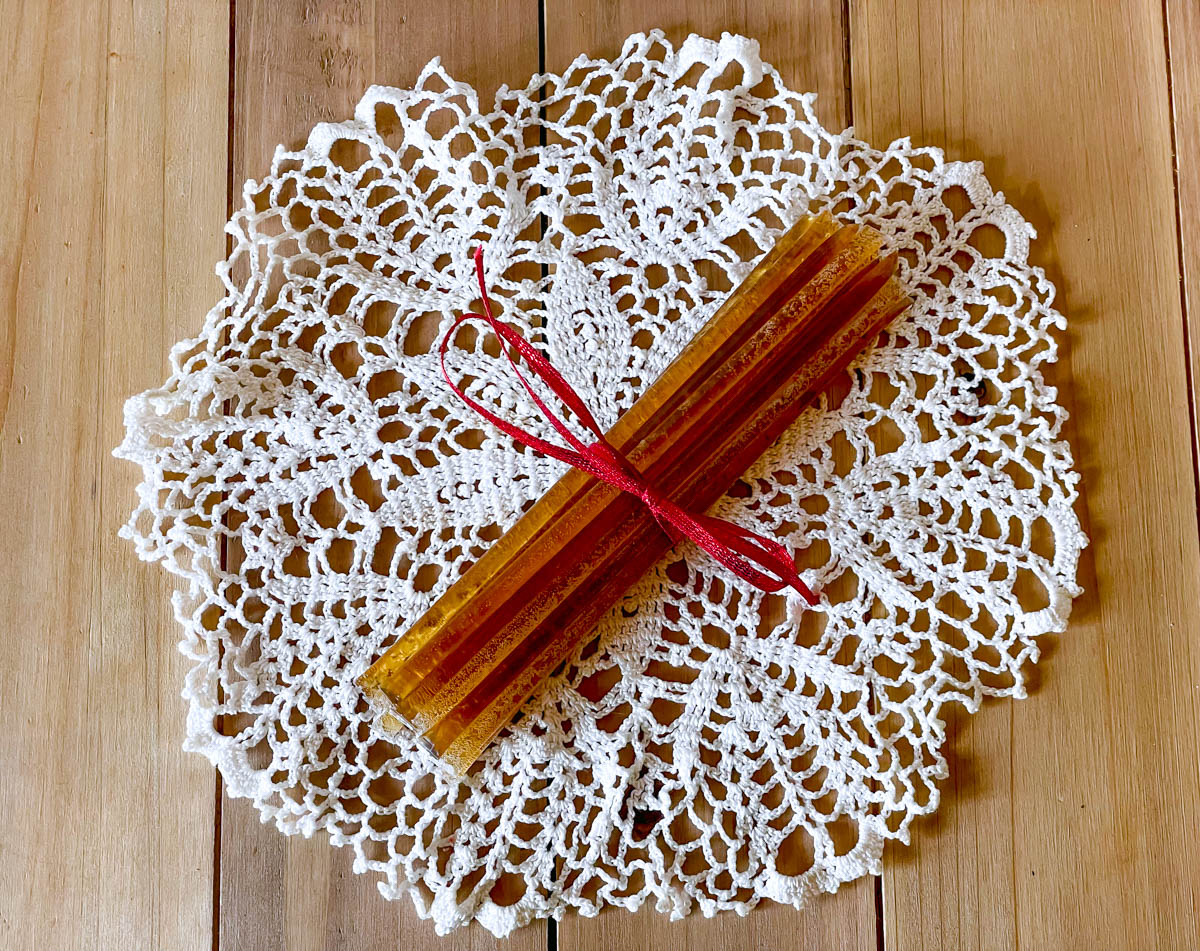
(308,475)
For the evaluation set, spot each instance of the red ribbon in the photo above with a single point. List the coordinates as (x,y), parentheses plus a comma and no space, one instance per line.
(737,548)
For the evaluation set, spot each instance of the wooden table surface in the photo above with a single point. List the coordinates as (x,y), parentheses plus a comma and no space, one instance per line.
(1069,820)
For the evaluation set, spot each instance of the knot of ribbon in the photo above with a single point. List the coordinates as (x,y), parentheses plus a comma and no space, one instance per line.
(763,562)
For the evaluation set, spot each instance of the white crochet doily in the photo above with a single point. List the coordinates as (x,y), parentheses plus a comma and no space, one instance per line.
(311,479)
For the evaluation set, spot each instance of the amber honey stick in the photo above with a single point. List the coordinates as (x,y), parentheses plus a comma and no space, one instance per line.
(680,445)
(578,500)
(460,673)
(576,496)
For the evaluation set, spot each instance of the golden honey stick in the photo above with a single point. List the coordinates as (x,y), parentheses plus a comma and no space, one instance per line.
(773,349)
(696,478)
(461,740)
(553,512)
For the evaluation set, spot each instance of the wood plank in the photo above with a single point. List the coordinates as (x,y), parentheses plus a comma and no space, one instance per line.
(115,119)
(1183,27)
(1069,818)
(296,64)
(805,43)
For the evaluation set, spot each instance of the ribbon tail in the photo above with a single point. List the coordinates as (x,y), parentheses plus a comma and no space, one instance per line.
(663,517)
(670,530)
(745,552)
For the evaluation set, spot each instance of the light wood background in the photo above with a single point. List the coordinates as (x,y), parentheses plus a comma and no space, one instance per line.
(1070,820)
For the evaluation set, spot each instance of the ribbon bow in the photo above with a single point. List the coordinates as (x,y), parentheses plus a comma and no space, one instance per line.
(738,549)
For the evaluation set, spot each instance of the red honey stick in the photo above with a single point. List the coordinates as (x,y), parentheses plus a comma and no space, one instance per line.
(472,724)
(463,736)
(678,446)
(566,507)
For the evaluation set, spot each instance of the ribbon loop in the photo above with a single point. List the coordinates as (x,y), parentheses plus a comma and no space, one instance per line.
(763,562)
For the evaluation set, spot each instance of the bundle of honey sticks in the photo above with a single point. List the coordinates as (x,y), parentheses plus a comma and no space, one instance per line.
(457,677)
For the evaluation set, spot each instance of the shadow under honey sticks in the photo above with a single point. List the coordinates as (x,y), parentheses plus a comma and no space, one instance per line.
(457,677)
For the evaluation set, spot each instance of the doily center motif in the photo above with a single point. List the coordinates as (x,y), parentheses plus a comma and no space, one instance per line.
(310,477)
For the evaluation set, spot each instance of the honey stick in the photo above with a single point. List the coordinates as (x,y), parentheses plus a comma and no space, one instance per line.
(466,666)
(422,696)
(790,337)
(461,738)
(749,305)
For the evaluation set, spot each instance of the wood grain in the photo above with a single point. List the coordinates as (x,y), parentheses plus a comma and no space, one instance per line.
(805,43)
(298,63)
(114,116)
(1069,819)
(1183,30)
